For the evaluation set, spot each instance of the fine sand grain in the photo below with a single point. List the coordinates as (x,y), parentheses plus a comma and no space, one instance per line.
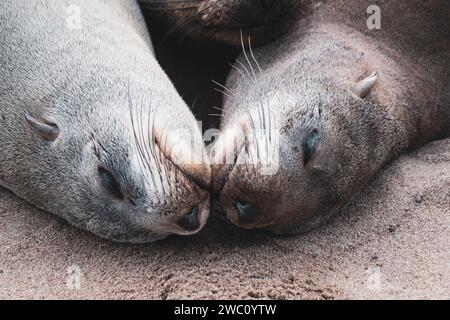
(393,241)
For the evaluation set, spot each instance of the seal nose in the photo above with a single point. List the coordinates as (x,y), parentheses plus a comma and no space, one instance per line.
(246,211)
(190,221)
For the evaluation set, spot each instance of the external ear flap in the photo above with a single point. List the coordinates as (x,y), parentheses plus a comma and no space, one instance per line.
(363,87)
(47,131)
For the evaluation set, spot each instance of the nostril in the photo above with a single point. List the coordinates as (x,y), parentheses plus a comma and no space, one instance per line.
(190,220)
(246,211)
(267,4)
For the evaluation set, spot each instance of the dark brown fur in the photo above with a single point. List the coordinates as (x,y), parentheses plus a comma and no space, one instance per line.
(220,22)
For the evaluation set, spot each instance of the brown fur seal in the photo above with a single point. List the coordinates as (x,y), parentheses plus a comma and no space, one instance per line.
(212,22)
(91,128)
(311,118)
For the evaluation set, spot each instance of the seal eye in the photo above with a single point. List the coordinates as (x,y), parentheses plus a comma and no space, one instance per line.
(309,145)
(110,183)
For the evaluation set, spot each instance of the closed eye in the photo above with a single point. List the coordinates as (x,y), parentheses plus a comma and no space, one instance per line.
(310,144)
(109,182)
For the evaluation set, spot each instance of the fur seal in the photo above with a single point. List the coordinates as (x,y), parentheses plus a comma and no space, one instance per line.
(311,118)
(212,22)
(91,128)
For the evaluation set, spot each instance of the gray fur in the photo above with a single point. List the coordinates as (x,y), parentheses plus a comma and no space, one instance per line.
(101,86)
(310,80)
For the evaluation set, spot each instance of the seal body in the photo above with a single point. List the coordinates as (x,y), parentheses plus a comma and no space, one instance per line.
(91,128)
(222,22)
(311,118)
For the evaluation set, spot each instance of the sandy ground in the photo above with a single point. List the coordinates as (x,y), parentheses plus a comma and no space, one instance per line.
(392,242)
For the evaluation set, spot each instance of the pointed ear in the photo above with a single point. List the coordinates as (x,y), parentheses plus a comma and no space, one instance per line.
(363,87)
(47,131)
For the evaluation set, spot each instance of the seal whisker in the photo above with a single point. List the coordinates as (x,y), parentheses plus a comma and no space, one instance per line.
(194,104)
(136,140)
(223,92)
(245,69)
(163,157)
(253,56)
(230,91)
(169,2)
(215,114)
(263,132)
(167,159)
(273,143)
(185,21)
(260,124)
(180,24)
(232,65)
(219,109)
(246,57)
(147,148)
(160,163)
(156,152)
(174,169)
(223,112)
(253,129)
(187,31)
(142,137)
(147,5)
(167,9)
(151,147)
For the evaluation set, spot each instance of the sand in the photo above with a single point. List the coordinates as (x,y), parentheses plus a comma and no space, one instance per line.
(393,241)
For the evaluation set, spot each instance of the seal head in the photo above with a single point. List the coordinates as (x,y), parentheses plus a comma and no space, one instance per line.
(309,119)
(129,176)
(91,128)
(287,174)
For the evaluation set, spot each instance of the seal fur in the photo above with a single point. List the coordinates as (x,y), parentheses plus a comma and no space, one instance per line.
(219,22)
(327,106)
